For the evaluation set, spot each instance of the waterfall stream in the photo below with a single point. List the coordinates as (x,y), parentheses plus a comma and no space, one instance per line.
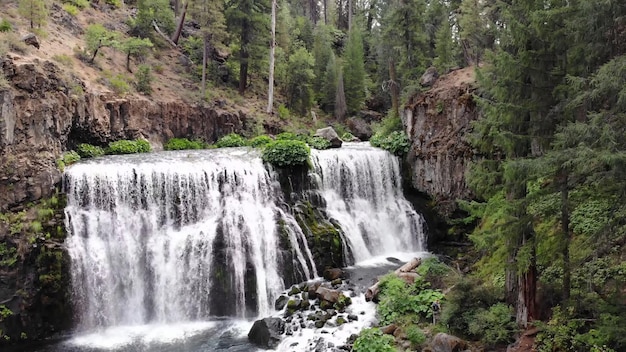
(179,237)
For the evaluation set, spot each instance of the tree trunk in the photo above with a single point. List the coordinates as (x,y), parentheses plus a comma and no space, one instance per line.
(566,236)
(340,99)
(325,4)
(350,15)
(181,22)
(128,62)
(204,61)
(405,272)
(526,307)
(270,89)
(244,56)
(394,88)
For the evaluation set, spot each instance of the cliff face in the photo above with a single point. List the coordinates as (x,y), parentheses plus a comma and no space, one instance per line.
(46,112)
(438,123)
(43,113)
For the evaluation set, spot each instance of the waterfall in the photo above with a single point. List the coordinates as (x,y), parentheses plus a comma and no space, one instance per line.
(185,236)
(177,236)
(362,187)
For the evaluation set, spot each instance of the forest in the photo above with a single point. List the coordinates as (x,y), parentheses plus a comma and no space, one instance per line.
(548,220)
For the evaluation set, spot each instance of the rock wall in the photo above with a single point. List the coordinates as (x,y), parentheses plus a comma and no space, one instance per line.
(438,123)
(44,112)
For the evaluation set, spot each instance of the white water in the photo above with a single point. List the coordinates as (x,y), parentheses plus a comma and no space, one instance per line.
(362,187)
(155,238)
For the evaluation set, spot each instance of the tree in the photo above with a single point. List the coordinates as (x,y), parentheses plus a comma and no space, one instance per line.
(354,71)
(35,11)
(340,98)
(209,14)
(153,11)
(97,37)
(300,76)
(322,52)
(270,89)
(328,92)
(445,58)
(135,47)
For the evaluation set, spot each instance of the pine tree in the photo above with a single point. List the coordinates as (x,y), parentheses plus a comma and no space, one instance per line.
(354,71)
(328,92)
(444,47)
(300,76)
(36,11)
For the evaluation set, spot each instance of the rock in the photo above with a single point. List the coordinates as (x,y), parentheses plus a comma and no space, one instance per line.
(305,304)
(359,128)
(294,304)
(353,317)
(340,320)
(313,288)
(331,274)
(447,343)
(336,282)
(320,323)
(281,301)
(330,135)
(342,302)
(294,290)
(31,39)
(389,329)
(266,332)
(429,77)
(327,294)
(325,305)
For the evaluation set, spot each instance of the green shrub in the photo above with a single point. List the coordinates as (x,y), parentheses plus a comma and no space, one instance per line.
(494,326)
(66,159)
(63,60)
(291,136)
(119,84)
(183,143)
(283,112)
(373,340)
(399,300)
(286,153)
(79,4)
(231,140)
(114,3)
(128,147)
(144,79)
(71,9)
(89,151)
(318,143)
(5,26)
(260,141)
(4,82)
(347,136)
(396,142)
(415,335)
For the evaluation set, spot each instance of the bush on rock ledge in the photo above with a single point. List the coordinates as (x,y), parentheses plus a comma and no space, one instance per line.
(286,153)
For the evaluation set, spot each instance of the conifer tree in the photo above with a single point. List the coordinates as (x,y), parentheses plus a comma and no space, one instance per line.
(300,76)
(444,47)
(329,86)
(35,11)
(210,16)
(354,71)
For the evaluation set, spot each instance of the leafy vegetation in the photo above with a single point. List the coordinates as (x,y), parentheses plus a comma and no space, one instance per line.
(66,159)
(318,143)
(183,143)
(89,151)
(400,300)
(286,153)
(396,142)
(260,141)
(144,79)
(129,147)
(373,340)
(231,140)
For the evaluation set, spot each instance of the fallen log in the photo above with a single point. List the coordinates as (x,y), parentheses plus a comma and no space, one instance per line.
(404,272)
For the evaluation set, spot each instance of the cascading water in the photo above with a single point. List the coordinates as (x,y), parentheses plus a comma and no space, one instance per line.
(174,237)
(362,187)
(171,238)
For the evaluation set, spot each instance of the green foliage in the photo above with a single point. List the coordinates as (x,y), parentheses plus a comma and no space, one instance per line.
(158,11)
(318,143)
(114,3)
(96,37)
(231,140)
(89,151)
(300,76)
(283,112)
(397,299)
(415,335)
(354,71)
(129,147)
(291,136)
(66,159)
(63,60)
(35,11)
(396,142)
(183,144)
(71,9)
(138,48)
(144,79)
(119,84)
(260,141)
(5,312)
(8,255)
(79,4)
(347,136)
(495,325)
(373,340)
(286,153)
(5,25)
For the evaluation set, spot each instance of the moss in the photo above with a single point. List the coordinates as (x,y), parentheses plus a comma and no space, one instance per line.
(324,238)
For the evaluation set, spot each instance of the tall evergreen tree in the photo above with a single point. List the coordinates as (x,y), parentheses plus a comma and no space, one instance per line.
(354,71)
(35,11)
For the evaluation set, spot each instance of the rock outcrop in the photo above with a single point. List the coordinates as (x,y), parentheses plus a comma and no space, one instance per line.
(46,112)
(438,123)
(330,135)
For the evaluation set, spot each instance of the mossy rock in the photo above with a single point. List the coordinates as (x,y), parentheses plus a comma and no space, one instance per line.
(294,290)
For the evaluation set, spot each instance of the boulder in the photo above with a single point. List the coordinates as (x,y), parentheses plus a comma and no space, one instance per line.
(327,294)
(447,343)
(330,135)
(31,39)
(281,302)
(359,128)
(331,274)
(266,332)
(389,329)
(429,77)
